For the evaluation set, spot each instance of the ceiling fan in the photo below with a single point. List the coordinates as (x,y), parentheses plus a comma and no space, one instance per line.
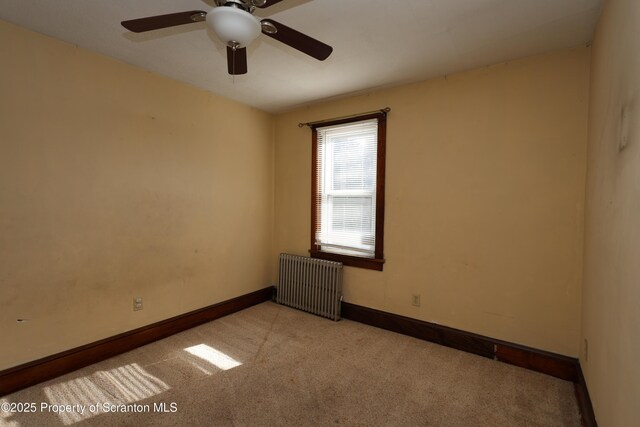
(234,23)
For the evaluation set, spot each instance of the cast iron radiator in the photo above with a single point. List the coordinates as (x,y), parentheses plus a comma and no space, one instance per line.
(310,284)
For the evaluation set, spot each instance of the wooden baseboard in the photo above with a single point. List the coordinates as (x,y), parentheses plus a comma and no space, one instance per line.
(584,401)
(556,365)
(31,373)
(548,363)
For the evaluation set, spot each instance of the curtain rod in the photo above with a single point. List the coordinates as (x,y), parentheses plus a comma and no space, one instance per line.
(384,110)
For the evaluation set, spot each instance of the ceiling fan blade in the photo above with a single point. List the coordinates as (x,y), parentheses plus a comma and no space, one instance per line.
(237,61)
(299,41)
(164,21)
(269,3)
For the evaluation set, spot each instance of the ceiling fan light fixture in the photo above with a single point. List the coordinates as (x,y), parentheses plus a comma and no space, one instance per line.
(234,25)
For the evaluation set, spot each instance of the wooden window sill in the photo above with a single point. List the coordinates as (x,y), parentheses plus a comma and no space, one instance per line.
(351,261)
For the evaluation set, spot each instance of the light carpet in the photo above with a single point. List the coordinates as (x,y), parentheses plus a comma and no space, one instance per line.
(271,365)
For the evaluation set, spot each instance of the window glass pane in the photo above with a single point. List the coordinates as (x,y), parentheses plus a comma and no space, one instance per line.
(354,163)
(351,216)
(346,170)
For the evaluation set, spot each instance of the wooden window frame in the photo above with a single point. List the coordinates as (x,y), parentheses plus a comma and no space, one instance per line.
(377,262)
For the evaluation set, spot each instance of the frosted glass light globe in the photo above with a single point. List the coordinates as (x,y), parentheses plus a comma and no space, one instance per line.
(231,24)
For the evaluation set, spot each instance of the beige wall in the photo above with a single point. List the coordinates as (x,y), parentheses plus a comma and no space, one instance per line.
(485,187)
(116,183)
(611,300)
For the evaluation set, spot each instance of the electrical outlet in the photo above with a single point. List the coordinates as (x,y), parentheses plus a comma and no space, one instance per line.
(415,300)
(137,304)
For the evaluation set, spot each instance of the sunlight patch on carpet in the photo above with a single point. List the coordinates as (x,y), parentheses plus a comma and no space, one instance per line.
(213,356)
(89,396)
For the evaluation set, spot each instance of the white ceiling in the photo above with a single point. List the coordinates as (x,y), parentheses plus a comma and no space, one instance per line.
(376,42)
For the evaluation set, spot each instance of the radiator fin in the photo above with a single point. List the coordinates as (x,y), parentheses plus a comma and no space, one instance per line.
(310,284)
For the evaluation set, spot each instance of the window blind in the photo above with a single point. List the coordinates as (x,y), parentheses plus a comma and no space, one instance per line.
(346,196)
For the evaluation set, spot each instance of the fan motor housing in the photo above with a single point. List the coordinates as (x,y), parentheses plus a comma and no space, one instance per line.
(248,6)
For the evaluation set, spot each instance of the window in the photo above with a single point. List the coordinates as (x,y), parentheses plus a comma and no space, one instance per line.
(347,212)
